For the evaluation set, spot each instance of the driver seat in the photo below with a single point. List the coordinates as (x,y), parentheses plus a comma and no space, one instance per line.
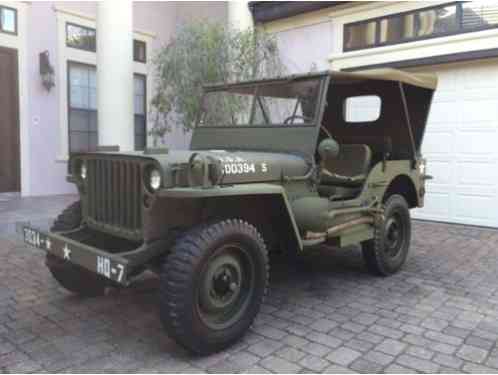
(344,175)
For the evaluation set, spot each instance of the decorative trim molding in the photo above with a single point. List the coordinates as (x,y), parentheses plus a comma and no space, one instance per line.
(59,9)
(480,40)
(19,43)
(416,50)
(66,54)
(435,60)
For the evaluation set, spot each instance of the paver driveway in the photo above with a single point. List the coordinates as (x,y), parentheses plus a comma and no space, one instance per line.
(439,314)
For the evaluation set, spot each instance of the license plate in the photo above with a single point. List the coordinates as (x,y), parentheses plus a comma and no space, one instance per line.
(34,238)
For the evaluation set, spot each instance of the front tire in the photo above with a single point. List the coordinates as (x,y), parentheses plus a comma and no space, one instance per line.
(75,279)
(386,253)
(212,285)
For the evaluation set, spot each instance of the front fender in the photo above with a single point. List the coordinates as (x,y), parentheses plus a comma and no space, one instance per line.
(243,190)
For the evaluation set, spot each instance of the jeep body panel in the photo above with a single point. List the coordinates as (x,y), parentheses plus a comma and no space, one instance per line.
(265,175)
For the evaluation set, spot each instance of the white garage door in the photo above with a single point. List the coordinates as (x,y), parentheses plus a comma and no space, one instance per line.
(461,145)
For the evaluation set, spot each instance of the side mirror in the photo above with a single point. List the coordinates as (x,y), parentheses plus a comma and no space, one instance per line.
(328,149)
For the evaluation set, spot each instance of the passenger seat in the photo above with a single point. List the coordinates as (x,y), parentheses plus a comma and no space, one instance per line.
(347,172)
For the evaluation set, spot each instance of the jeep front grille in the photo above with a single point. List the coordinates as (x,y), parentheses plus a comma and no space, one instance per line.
(114,196)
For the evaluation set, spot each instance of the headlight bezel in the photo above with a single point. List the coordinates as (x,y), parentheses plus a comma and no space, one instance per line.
(83,170)
(79,169)
(153,178)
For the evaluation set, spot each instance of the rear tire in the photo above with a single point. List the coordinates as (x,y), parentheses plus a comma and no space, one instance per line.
(386,253)
(212,285)
(70,276)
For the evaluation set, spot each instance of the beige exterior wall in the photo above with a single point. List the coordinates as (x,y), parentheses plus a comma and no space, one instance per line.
(43,114)
(336,17)
(19,43)
(239,15)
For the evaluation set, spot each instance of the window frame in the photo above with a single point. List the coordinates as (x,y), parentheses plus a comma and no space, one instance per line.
(356,122)
(137,41)
(69,108)
(82,27)
(68,91)
(322,85)
(16,23)
(459,26)
(144,77)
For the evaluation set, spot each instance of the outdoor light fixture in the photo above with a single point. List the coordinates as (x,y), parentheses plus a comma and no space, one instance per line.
(46,71)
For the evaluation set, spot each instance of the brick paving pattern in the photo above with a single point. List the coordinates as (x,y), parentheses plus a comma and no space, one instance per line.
(440,314)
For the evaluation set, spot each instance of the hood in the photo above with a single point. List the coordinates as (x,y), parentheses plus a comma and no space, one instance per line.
(240,166)
(237,166)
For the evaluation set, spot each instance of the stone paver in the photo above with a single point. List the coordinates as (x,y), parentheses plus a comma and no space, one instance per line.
(343,356)
(439,314)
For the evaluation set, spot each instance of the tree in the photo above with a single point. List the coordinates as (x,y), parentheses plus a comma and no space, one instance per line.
(200,53)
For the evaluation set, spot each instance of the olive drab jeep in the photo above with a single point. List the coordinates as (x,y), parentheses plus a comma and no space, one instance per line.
(329,158)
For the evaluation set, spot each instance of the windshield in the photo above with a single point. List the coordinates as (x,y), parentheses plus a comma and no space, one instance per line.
(272,104)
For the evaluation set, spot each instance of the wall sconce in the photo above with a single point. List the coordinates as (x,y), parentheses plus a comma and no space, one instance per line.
(46,71)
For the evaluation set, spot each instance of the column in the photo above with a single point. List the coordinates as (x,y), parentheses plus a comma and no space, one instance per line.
(115,74)
(239,15)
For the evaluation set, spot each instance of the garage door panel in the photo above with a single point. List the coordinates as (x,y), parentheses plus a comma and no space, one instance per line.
(477,173)
(479,110)
(476,142)
(483,208)
(437,143)
(442,114)
(479,76)
(437,206)
(442,172)
(447,83)
(461,145)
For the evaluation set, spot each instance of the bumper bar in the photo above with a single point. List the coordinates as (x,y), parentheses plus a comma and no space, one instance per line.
(111,266)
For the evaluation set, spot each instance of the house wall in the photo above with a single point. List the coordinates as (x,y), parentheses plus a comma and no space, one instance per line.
(305,48)
(19,43)
(304,41)
(46,162)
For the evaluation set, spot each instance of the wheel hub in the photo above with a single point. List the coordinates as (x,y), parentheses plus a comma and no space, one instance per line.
(393,235)
(225,283)
(225,287)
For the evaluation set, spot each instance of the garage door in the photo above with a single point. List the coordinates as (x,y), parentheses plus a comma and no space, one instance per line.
(461,146)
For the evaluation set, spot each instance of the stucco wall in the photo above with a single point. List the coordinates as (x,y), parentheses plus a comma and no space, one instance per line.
(305,48)
(162,18)
(47,175)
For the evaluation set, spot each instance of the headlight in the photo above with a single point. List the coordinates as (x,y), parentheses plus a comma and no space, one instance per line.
(83,170)
(154,179)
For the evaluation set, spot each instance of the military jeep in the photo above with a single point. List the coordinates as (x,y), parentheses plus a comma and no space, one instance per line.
(328,158)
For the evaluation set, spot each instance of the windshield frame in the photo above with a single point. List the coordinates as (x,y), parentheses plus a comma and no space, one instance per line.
(321,79)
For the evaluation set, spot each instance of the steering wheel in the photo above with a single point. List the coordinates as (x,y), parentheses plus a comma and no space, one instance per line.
(293,117)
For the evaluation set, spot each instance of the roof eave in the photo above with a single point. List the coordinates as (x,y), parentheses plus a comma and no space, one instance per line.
(267,11)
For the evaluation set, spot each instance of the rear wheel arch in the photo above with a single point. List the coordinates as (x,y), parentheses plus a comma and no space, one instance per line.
(404,186)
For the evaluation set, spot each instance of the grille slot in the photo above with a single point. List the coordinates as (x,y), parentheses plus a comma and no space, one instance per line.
(114,196)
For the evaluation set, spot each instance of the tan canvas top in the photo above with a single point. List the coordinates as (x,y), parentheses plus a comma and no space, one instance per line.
(426,80)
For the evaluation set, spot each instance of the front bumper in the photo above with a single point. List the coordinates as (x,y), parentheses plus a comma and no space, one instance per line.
(111,266)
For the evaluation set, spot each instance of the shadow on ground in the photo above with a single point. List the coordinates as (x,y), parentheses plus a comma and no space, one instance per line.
(325,314)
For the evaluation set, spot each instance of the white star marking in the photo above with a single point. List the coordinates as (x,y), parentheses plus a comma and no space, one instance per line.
(48,243)
(67,252)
